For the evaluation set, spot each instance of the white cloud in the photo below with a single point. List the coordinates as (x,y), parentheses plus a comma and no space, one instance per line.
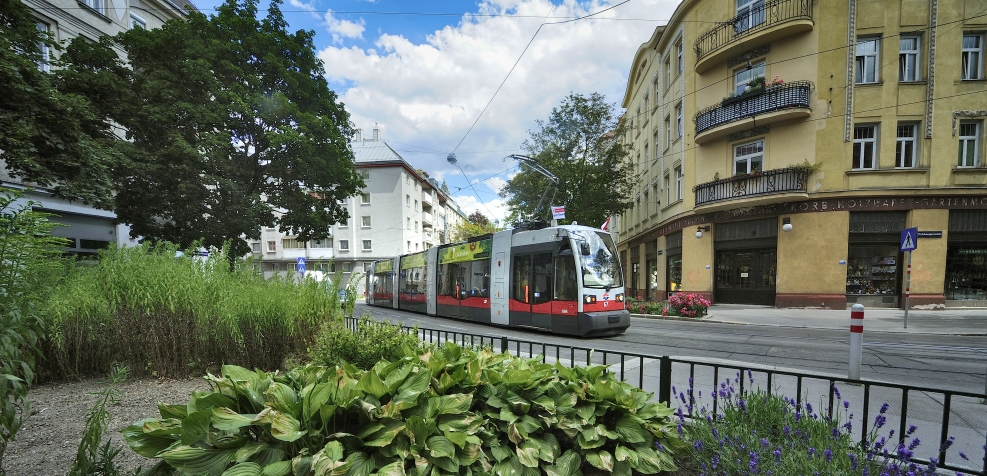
(308,7)
(341,29)
(429,94)
(496,183)
(495,209)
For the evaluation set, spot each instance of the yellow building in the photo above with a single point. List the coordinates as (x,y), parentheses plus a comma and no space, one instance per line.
(783,146)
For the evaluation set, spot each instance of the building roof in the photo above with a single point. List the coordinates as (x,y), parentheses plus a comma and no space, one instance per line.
(373,152)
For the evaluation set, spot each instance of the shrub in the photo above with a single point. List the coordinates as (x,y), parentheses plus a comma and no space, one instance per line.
(687,304)
(448,411)
(654,308)
(372,342)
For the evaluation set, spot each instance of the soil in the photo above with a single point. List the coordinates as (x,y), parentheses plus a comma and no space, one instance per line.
(47,443)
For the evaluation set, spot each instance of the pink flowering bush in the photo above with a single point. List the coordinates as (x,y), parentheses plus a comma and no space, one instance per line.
(776,81)
(686,304)
(636,306)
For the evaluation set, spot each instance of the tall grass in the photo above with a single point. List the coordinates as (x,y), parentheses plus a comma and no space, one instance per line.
(159,315)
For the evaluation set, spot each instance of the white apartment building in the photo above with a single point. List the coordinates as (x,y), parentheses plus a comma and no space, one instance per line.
(90,229)
(399,211)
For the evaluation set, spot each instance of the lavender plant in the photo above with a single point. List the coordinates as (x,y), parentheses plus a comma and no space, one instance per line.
(753,432)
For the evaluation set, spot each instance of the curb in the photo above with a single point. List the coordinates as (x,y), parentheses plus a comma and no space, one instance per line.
(709,318)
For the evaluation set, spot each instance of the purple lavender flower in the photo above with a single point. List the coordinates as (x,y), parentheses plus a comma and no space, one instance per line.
(836,391)
(765,442)
(777,454)
(853,461)
(884,408)
(911,429)
(698,445)
(828,454)
(963,455)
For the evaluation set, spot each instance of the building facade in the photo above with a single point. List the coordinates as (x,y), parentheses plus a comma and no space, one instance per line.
(399,211)
(783,146)
(89,229)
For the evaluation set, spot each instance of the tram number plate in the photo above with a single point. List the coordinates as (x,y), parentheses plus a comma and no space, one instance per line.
(613,319)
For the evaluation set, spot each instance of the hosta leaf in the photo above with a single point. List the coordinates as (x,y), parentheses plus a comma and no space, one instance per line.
(283,426)
(361,464)
(191,460)
(509,467)
(207,400)
(517,377)
(240,374)
(172,411)
(448,464)
(145,444)
(496,402)
(623,453)
(455,403)
(621,468)
(226,440)
(195,426)
(169,427)
(651,411)
(384,435)
(227,420)
(586,410)
(416,429)
(500,453)
(396,374)
(648,462)
(248,451)
(334,450)
(565,465)
(514,434)
(281,468)
(457,438)
(318,396)
(461,422)
(549,448)
(601,459)
(545,402)
(527,453)
(281,397)
(243,469)
(372,384)
(394,469)
(629,428)
(517,403)
(529,424)
(440,446)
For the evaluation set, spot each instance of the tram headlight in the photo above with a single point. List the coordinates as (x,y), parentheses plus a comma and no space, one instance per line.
(589,299)
(620,297)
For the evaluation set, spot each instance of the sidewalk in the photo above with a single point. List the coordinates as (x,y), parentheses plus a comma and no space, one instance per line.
(954,321)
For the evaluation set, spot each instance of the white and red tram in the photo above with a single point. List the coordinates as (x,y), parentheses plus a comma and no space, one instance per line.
(562,279)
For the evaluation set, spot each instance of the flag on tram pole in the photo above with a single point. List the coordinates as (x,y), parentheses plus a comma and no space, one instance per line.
(606,225)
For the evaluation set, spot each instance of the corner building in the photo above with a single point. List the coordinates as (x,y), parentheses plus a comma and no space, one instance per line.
(792,190)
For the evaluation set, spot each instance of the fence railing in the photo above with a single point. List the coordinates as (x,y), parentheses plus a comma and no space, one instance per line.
(663,375)
(784,96)
(743,186)
(751,21)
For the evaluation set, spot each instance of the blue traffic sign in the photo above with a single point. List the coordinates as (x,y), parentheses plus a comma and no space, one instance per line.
(909,239)
(301,265)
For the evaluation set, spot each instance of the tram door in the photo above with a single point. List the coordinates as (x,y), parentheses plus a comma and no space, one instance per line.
(531,290)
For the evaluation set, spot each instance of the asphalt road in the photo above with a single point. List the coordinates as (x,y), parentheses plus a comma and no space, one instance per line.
(947,362)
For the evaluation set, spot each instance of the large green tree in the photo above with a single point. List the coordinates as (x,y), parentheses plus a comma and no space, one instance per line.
(578,144)
(48,137)
(230,127)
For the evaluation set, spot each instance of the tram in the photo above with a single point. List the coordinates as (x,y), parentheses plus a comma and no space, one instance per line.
(562,279)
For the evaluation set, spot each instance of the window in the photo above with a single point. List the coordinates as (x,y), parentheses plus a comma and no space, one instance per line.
(407,223)
(344,201)
(344,245)
(365,221)
(367,245)
(416,205)
(137,22)
(668,72)
(407,201)
(750,13)
(969,144)
(865,65)
(678,183)
(416,225)
(905,146)
(272,246)
(347,267)
(345,223)
(908,58)
(364,198)
(654,193)
(679,123)
(647,211)
(255,247)
(646,156)
(320,244)
(365,173)
(743,76)
(748,158)
(94,4)
(44,64)
(973,56)
(647,112)
(668,191)
(292,244)
(864,147)
(409,246)
(680,54)
(668,132)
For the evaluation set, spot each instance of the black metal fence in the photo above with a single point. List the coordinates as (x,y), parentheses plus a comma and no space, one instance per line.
(753,20)
(760,183)
(784,96)
(952,413)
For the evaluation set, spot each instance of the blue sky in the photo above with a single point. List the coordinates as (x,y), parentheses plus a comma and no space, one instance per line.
(422,72)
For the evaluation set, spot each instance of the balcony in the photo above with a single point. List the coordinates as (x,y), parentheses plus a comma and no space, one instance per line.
(780,103)
(427,198)
(427,219)
(759,26)
(774,185)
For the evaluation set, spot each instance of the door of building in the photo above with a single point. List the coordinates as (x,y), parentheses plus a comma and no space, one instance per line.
(746,276)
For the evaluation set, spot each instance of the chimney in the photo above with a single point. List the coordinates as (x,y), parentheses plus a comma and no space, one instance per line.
(358,137)
(376,133)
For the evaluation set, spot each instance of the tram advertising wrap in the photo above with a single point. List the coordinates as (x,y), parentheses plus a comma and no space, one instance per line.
(563,279)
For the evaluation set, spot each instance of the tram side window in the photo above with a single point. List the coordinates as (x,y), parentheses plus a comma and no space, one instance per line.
(480,278)
(565,279)
(462,271)
(543,279)
(521,278)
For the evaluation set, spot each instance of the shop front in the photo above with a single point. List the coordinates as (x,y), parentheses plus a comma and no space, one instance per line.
(873,262)
(673,262)
(746,262)
(966,254)
(651,268)
(635,283)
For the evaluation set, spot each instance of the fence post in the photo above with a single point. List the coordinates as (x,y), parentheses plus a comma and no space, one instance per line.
(856,340)
(665,380)
(503,345)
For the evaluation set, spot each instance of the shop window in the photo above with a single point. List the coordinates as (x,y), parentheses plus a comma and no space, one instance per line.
(866,65)
(673,262)
(872,270)
(908,55)
(966,256)
(864,147)
(905,147)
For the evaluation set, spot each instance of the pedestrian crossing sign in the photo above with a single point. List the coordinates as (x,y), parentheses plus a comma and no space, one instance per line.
(909,239)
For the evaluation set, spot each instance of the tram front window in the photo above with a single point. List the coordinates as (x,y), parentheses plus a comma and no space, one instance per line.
(598,259)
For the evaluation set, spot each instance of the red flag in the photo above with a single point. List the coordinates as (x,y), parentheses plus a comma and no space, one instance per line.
(606,224)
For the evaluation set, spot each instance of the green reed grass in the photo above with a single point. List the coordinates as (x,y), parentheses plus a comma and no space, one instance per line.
(159,315)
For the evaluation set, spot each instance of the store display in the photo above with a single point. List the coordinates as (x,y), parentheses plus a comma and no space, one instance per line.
(872,276)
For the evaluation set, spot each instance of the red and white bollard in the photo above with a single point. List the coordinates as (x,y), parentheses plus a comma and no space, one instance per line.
(856,340)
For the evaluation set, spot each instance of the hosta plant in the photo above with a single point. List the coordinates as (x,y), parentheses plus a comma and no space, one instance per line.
(449,411)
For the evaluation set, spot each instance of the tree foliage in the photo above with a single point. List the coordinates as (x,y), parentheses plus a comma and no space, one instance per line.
(578,143)
(231,127)
(48,137)
(476,224)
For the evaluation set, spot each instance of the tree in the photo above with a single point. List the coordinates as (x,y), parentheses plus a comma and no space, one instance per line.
(231,127)
(476,224)
(579,145)
(46,136)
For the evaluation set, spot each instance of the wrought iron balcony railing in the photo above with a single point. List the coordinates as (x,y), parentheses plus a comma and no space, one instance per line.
(784,96)
(791,179)
(756,19)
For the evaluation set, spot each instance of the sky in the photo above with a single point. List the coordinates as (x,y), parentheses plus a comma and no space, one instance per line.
(470,77)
